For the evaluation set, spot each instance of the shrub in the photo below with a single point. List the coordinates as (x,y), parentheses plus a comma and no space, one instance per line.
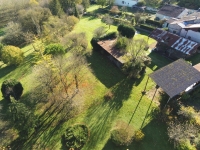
(54,49)
(126,31)
(12,55)
(139,136)
(76,136)
(121,44)
(99,32)
(109,95)
(72,21)
(146,27)
(122,135)
(185,145)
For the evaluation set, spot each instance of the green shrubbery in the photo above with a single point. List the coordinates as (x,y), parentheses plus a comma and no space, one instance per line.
(12,55)
(126,31)
(185,145)
(121,44)
(139,136)
(54,49)
(76,136)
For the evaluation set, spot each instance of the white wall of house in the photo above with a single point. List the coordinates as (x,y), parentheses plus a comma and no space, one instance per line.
(162,17)
(127,3)
(174,28)
(184,13)
(192,35)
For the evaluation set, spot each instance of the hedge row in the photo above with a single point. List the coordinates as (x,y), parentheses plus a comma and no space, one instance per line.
(147,27)
(154,23)
(120,21)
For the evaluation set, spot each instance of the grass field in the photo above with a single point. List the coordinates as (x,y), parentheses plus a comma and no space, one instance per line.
(128,104)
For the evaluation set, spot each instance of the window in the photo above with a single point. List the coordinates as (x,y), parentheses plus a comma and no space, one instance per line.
(189,37)
(174,32)
(122,2)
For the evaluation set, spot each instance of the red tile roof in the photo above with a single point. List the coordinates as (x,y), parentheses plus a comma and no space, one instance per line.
(174,41)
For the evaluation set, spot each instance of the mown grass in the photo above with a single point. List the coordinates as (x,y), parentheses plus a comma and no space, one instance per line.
(99,115)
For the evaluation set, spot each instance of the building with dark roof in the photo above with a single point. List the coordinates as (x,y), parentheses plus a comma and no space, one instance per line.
(176,77)
(173,45)
(171,11)
(107,47)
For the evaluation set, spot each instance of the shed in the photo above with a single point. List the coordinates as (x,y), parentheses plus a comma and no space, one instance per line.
(176,77)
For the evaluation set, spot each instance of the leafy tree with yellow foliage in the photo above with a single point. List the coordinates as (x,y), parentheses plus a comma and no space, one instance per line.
(12,55)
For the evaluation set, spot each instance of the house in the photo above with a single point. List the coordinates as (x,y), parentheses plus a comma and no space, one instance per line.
(171,11)
(187,27)
(172,45)
(127,3)
(107,48)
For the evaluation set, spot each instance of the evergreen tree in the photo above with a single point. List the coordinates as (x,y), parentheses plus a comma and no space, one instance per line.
(76,13)
(55,7)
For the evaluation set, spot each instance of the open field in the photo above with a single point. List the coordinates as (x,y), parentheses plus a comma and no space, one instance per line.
(128,104)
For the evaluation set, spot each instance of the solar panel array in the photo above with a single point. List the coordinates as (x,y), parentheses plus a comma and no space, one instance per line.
(176,77)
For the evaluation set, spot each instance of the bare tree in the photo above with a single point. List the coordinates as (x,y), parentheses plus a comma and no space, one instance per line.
(108,20)
(136,48)
(100,31)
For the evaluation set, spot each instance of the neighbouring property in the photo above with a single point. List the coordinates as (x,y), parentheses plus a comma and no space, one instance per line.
(107,48)
(187,27)
(174,46)
(171,11)
(127,3)
(177,77)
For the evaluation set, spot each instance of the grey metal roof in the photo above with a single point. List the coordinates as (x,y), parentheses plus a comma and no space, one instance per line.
(176,77)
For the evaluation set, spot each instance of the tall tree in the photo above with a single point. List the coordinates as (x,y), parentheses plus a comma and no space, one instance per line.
(55,7)
(86,3)
(102,2)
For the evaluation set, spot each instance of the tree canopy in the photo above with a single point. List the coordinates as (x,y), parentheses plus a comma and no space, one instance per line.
(12,55)
(126,31)
(12,88)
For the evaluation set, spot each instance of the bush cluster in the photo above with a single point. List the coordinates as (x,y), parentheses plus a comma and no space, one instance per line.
(54,49)
(126,31)
(76,136)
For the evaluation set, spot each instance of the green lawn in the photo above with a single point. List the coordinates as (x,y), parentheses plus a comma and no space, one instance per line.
(100,116)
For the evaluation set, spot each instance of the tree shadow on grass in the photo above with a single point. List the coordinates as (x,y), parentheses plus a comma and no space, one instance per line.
(101,114)
(156,138)
(6,70)
(107,73)
(158,61)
